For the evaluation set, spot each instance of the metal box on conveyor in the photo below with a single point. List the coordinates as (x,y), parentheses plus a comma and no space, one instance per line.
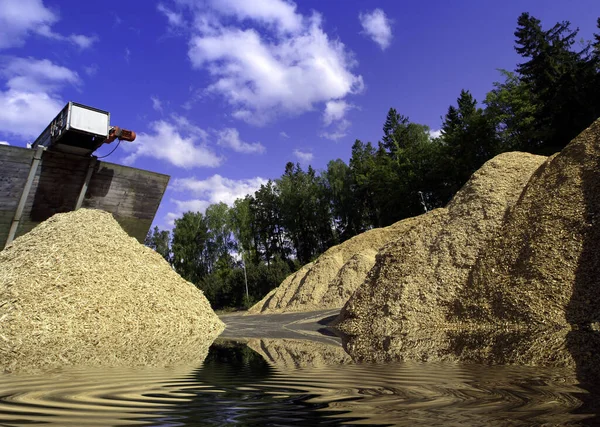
(77,129)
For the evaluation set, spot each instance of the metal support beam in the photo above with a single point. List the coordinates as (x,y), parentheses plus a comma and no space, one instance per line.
(37,158)
(86,183)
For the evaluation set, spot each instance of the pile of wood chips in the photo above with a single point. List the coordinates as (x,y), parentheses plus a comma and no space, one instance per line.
(417,277)
(543,269)
(332,278)
(77,290)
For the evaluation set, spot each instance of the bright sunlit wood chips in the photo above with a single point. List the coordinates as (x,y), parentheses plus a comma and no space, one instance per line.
(77,290)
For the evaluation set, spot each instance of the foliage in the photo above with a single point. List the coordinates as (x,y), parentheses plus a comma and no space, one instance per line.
(159,240)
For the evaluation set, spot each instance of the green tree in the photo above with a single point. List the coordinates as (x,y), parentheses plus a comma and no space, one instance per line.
(306,214)
(562,81)
(469,138)
(512,110)
(362,164)
(189,248)
(219,243)
(269,235)
(337,182)
(159,241)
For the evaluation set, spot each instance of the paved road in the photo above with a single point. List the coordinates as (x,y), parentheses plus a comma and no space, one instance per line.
(311,325)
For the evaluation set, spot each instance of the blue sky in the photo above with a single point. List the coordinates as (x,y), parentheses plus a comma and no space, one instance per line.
(222,93)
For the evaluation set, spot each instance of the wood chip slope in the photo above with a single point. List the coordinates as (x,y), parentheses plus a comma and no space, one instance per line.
(417,277)
(77,290)
(544,268)
(316,286)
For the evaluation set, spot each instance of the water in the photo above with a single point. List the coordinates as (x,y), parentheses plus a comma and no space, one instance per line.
(291,382)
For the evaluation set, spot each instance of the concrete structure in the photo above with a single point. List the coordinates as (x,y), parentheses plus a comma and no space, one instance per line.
(62,182)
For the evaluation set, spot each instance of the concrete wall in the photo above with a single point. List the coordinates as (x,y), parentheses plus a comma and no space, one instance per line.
(131,195)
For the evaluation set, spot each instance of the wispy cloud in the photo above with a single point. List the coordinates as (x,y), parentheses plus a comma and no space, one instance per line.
(377,26)
(176,145)
(156,104)
(304,156)
(212,190)
(284,135)
(338,131)
(175,19)
(21,18)
(91,70)
(230,138)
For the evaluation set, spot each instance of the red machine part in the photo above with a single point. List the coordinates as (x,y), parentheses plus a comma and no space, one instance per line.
(121,134)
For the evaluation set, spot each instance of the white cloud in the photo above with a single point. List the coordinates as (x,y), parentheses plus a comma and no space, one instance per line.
(21,18)
(4,143)
(127,55)
(335,111)
(435,133)
(91,70)
(377,26)
(36,75)
(219,189)
(167,143)
(188,127)
(212,190)
(303,156)
(230,138)
(83,42)
(284,135)
(191,205)
(280,14)
(30,100)
(339,131)
(287,68)
(175,19)
(156,104)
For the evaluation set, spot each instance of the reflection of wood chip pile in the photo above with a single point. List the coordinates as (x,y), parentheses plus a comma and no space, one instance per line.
(417,277)
(78,290)
(292,354)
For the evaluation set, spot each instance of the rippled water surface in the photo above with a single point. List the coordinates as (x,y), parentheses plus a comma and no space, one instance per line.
(282,383)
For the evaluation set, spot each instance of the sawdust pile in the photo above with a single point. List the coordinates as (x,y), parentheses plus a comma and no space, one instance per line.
(544,268)
(77,290)
(417,277)
(317,286)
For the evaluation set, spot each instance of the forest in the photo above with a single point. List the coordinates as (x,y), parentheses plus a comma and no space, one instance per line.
(237,254)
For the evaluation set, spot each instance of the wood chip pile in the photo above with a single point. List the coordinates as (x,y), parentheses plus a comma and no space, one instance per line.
(332,278)
(417,277)
(544,268)
(77,290)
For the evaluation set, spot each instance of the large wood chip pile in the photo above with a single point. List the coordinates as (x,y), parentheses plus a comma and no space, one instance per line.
(544,268)
(417,277)
(77,290)
(318,285)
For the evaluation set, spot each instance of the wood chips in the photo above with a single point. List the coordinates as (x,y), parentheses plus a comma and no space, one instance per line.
(77,290)
(418,276)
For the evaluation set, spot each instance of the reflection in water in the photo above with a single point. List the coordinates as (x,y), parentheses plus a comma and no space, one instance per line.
(293,382)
